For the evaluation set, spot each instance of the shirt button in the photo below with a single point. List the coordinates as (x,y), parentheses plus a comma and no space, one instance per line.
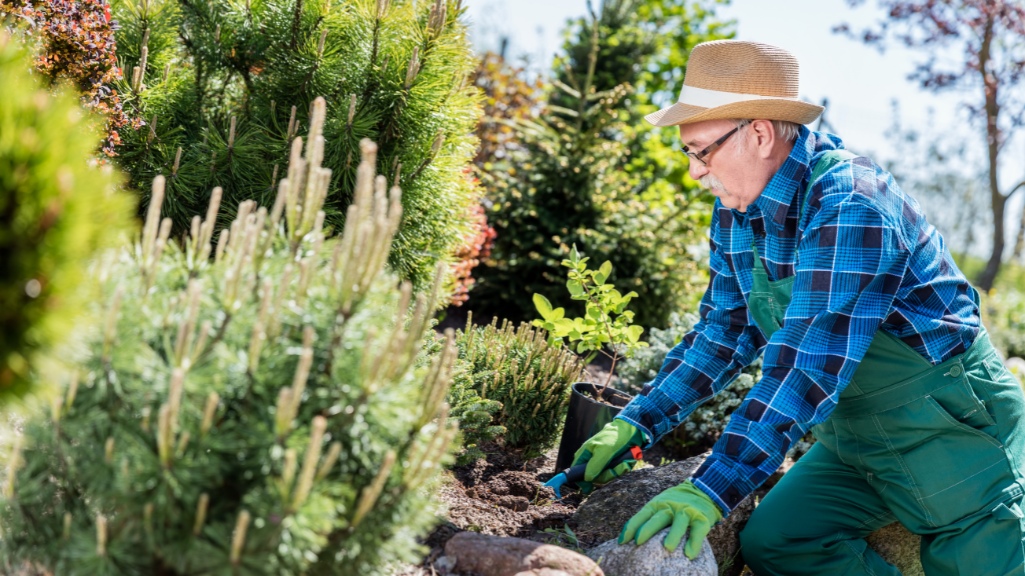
(955,370)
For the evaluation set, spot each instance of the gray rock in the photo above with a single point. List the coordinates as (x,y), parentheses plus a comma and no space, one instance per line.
(605,511)
(652,559)
(502,556)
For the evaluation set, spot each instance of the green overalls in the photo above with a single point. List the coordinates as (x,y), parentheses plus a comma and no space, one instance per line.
(939,448)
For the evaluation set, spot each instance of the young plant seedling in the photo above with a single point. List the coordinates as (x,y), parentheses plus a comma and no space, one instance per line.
(606,324)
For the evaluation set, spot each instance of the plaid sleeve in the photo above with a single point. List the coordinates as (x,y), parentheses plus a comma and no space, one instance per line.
(707,359)
(851,260)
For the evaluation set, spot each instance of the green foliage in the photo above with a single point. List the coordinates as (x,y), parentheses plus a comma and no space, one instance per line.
(56,213)
(704,426)
(476,415)
(517,368)
(565,537)
(260,411)
(589,172)
(225,86)
(598,329)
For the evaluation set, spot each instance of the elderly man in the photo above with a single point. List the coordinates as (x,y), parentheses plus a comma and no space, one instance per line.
(870,335)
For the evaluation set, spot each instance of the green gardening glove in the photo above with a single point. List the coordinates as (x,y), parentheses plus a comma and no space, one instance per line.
(686,508)
(615,438)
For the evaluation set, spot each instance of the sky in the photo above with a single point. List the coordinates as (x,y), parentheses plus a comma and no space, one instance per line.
(860,83)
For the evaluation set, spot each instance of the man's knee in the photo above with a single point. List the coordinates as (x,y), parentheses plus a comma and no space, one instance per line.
(760,542)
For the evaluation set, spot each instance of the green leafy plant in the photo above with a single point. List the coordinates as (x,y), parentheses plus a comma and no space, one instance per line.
(606,324)
(56,214)
(252,402)
(565,538)
(517,368)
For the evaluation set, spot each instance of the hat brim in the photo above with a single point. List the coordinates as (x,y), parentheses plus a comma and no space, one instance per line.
(769,109)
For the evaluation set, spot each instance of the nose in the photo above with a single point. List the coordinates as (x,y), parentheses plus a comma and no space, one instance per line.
(697,169)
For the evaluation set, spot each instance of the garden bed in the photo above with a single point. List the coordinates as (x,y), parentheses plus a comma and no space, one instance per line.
(503,495)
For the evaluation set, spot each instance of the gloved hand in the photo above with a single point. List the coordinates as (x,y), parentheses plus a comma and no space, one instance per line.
(615,438)
(686,508)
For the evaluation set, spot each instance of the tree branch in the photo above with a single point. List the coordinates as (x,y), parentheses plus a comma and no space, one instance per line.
(1017,187)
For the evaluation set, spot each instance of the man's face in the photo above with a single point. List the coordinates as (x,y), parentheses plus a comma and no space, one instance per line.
(727,171)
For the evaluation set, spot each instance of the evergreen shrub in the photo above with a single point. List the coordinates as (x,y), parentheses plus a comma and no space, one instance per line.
(250,403)
(575,177)
(56,213)
(529,380)
(225,86)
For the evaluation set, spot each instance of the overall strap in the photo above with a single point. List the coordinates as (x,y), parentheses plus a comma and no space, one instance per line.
(826,161)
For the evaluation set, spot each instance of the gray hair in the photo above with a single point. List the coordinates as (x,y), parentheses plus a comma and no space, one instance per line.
(786,131)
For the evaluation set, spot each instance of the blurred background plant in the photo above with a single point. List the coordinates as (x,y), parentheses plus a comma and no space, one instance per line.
(74,44)
(704,426)
(57,212)
(1003,312)
(251,401)
(512,374)
(587,171)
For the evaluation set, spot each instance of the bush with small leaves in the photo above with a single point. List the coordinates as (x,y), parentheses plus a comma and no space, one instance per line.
(704,426)
(253,402)
(528,377)
(75,46)
(606,324)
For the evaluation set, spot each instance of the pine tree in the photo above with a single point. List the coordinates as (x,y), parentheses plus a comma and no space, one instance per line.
(225,86)
(56,213)
(253,402)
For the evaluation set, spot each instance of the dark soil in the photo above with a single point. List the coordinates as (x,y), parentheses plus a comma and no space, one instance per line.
(503,495)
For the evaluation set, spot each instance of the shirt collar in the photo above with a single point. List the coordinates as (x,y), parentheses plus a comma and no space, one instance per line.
(775,200)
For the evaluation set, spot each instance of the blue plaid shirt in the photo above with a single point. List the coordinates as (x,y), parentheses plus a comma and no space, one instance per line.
(865,259)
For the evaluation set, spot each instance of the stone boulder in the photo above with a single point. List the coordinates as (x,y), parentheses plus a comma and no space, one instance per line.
(602,515)
(652,559)
(486,555)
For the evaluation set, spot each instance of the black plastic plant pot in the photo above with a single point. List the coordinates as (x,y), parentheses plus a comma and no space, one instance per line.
(586,416)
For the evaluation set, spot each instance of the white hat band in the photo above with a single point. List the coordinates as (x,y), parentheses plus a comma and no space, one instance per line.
(712,98)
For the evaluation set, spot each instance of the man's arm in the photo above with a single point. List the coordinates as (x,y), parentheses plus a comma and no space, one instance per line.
(851,261)
(707,359)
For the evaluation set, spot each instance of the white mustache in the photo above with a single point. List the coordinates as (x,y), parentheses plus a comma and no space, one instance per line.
(712,183)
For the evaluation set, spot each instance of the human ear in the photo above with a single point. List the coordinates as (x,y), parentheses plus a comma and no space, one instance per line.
(764,137)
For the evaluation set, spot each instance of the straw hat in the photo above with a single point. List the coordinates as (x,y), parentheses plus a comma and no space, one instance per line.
(734,79)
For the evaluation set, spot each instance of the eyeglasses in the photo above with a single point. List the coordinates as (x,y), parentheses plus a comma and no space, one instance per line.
(700,156)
